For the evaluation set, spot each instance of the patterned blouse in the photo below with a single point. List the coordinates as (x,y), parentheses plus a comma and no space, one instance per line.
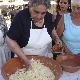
(3,25)
(5,53)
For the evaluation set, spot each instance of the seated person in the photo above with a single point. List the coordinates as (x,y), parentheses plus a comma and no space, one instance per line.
(5,53)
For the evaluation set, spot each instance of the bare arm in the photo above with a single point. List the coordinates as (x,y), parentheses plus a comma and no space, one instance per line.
(56,38)
(59,30)
(60,26)
(56,34)
(16,49)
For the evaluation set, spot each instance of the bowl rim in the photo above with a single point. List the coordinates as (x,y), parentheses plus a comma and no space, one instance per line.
(70,66)
(67,66)
(38,56)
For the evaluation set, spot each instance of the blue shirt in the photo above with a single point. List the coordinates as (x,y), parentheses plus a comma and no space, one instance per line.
(71,35)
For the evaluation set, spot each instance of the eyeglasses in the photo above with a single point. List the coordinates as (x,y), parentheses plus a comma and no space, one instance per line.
(37,12)
(63,2)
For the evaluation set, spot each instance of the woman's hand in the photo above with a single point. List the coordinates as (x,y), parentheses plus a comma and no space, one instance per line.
(56,48)
(27,63)
(58,42)
(56,38)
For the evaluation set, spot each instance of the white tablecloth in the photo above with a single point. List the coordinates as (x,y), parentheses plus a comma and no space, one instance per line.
(65,76)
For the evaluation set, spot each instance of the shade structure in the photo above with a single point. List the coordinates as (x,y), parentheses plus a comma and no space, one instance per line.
(5,3)
(13,3)
(19,3)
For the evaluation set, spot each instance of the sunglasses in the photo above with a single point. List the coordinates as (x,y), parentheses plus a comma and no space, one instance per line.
(63,2)
(37,12)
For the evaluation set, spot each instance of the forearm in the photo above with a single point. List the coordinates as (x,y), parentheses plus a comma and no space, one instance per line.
(60,26)
(15,48)
(55,35)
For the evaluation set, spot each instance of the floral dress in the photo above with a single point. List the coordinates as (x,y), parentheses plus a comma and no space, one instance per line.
(5,53)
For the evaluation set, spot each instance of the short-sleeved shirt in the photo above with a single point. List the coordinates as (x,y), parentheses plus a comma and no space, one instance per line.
(21,25)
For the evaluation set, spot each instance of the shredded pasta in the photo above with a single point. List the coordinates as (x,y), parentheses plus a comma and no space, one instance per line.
(38,72)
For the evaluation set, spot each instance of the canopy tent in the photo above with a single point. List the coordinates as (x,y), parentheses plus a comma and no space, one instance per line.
(13,3)
(53,2)
(19,3)
(5,3)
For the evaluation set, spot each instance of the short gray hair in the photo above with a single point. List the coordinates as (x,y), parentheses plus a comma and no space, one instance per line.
(34,3)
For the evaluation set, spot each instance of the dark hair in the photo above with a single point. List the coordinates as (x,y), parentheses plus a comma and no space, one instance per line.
(34,3)
(69,7)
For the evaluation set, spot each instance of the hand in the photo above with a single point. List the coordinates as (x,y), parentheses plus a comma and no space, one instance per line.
(56,48)
(58,42)
(27,64)
(56,38)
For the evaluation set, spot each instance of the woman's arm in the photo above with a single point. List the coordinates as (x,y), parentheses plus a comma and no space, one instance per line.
(60,26)
(16,49)
(59,30)
(56,38)
(56,34)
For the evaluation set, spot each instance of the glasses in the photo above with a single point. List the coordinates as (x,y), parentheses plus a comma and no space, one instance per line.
(77,7)
(63,2)
(37,12)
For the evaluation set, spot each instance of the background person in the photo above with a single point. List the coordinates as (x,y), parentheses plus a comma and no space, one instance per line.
(63,7)
(5,53)
(69,29)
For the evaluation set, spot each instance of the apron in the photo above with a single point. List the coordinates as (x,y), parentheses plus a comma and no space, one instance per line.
(39,43)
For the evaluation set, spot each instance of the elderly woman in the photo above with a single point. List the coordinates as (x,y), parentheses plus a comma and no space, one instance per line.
(69,29)
(5,52)
(30,31)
